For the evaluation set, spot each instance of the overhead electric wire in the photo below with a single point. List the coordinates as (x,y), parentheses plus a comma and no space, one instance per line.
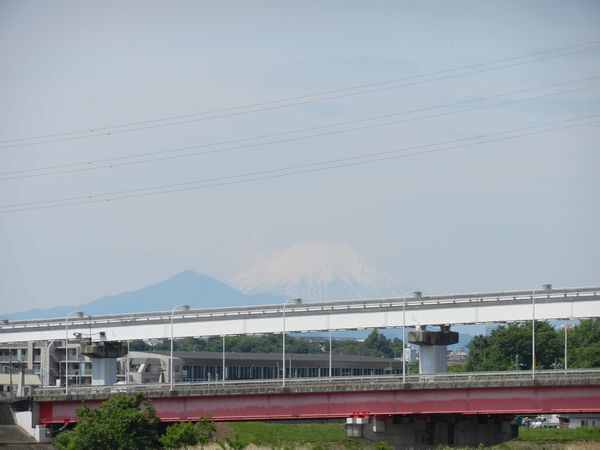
(330,164)
(274,104)
(109,162)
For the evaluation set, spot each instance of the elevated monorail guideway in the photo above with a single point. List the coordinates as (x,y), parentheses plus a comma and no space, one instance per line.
(511,306)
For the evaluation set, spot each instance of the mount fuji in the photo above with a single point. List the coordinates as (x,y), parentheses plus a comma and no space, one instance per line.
(317,271)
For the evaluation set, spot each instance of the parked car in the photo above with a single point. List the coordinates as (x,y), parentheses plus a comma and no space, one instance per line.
(543,422)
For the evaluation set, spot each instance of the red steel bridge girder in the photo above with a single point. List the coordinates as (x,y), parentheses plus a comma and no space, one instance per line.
(493,400)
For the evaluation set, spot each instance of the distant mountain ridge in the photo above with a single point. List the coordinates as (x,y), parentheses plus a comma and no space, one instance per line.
(188,287)
(310,270)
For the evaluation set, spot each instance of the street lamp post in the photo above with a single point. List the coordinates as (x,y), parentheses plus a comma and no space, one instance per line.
(329,354)
(79,315)
(296,301)
(546,287)
(183,308)
(566,327)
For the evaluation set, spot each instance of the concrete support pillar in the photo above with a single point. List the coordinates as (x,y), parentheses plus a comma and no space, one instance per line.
(433,348)
(45,364)
(30,351)
(104,360)
(104,371)
(428,431)
(21,383)
(354,426)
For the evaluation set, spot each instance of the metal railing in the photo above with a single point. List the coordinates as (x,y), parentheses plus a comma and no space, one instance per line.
(373,382)
(305,309)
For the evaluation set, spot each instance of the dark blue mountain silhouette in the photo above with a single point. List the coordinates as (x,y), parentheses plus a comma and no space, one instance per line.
(188,287)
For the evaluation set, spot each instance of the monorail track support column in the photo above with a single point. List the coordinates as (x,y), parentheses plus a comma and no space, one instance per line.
(104,356)
(433,348)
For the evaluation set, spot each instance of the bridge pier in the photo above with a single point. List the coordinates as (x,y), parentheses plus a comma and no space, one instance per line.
(104,356)
(433,348)
(427,431)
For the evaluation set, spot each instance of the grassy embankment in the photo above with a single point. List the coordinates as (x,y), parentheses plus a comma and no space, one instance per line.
(291,435)
(559,434)
(255,435)
(275,432)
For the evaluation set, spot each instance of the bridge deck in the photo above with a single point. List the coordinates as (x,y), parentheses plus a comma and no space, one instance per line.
(573,392)
(568,303)
(482,393)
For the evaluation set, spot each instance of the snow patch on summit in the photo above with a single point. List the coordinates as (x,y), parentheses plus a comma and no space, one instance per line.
(316,271)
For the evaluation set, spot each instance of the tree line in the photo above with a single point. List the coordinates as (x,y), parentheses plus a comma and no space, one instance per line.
(508,347)
(376,344)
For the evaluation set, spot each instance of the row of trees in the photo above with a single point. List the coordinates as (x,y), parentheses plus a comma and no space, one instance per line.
(508,347)
(376,344)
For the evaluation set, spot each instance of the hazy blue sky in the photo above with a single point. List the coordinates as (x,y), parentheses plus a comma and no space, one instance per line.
(504,215)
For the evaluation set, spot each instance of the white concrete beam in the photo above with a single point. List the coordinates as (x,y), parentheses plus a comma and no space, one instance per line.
(461,309)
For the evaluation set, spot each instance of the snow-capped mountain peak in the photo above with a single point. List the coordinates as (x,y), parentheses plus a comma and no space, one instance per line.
(316,270)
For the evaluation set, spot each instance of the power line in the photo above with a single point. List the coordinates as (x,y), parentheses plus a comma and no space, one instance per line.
(110,163)
(305,99)
(304,168)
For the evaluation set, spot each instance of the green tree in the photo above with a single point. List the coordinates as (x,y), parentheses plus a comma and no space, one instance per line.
(508,347)
(379,345)
(397,347)
(584,344)
(479,354)
(376,344)
(123,422)
(139,345)
(348,347)
(178,435)
(186,433)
